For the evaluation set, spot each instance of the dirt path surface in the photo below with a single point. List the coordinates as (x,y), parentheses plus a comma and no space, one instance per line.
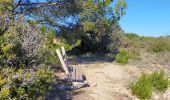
(107,81)
(110,81)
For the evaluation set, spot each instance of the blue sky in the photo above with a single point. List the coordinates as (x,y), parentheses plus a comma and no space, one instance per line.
(147,17)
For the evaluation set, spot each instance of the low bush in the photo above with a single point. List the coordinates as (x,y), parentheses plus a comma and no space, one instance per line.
(159,45)
(26,53)
(159,80)
(144,86)
(22,84)
(122,57)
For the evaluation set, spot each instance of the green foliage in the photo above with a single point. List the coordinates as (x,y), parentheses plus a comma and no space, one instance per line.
(42,84)
(159,45)
(131,35)
(25,83)
(2,81)
(95,20)
(120,8)
(137,45)
(18,79)
(97,26)
(70,47)
(4,93)
(25,44)
(142,88)
(98,34)
(47,53)
(122,57)
(8,45)
(159,80)
(5,6)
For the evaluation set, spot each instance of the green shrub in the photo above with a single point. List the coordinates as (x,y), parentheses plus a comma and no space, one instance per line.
(142,88)
(122,57)
(159,45)
(8,45)
(4,93)
(159,80)
(47,53)
(23,76)
(24,84)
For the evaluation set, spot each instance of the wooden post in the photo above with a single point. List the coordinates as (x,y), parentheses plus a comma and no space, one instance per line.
(62,62)
(73,73)
(80,74)
(63,51)
(64,58)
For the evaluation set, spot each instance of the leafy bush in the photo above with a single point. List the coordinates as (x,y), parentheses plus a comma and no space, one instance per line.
(4,93)
(142,88)
(47,53)
(20,43)
(122,57)
(159,80)
(8,45)
(21,77)
(25,84)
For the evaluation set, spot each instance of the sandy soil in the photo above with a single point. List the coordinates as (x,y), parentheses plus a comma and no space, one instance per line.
(107,81)
(110,81)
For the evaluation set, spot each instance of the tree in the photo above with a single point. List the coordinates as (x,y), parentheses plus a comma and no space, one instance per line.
(92,20)
(55,12)
(45,12)
(100,21)
(97,25)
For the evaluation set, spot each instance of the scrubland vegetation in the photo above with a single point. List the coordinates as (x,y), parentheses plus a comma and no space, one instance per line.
(31,31)
(122,57)
(147,83)
(136,46)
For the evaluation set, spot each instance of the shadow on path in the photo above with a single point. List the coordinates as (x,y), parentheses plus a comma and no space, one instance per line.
(59,94)
(90,59)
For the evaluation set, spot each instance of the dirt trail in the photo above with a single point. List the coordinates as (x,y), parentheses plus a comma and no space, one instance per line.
(111,81)
(108,82)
